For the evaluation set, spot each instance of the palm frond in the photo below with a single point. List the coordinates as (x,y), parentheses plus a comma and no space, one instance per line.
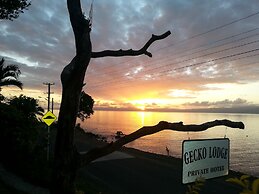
(8,82)
(11,74)
(14,68)
(40,110)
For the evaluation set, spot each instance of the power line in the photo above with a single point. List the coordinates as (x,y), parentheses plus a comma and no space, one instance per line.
(128,84)
(220,40)
(194,65)
(216,52)
(211,30)
(213,60)
(183,51)
(216,28)
(224,44)
(185,60)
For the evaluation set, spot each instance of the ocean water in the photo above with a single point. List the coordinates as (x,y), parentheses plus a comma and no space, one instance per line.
(244,144)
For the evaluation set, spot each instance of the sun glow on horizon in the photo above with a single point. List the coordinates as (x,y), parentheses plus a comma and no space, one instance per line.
(142,107)
(144,104)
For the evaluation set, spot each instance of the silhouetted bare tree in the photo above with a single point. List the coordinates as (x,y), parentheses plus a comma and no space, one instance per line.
(67,160)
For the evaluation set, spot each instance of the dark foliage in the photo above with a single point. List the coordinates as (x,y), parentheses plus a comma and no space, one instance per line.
(85,106)
(23,140)
(2,98)
(18,135)
(28,106)
(10,9)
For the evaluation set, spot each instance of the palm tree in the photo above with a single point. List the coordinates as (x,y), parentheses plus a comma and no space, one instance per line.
(9,75)
(29,106)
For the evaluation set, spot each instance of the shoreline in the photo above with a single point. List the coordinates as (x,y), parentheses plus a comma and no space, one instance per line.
(89,140)
(150,172)
(143,172)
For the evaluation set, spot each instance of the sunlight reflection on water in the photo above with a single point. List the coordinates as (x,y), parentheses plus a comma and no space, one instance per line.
(244,144)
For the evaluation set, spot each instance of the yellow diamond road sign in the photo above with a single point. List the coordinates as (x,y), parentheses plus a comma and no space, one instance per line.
(49,118)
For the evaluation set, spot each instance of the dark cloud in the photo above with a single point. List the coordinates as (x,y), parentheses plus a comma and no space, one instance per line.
(219,104)
(41,41)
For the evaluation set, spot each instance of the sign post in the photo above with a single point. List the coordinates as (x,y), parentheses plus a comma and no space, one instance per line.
(206,158)
(48,118)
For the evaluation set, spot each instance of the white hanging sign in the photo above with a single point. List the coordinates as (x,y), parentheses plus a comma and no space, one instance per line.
(206,158)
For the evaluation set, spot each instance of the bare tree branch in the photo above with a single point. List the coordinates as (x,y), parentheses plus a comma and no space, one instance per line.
(130,52)
(148,130)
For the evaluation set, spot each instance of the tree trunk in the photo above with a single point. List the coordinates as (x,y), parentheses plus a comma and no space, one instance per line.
(72,78)
(65,159)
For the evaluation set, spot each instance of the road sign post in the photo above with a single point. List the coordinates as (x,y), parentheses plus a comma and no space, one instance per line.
(48,118)
(48,143)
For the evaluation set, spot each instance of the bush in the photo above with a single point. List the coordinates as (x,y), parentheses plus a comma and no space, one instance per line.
(22,145)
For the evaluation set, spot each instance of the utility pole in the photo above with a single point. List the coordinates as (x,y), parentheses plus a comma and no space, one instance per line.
(48,135)
(52,105)
(49,84)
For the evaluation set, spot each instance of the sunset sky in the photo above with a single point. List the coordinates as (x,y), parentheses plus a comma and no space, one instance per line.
(211,59)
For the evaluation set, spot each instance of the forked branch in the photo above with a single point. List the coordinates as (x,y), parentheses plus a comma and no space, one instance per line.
(130,52)
(148,130)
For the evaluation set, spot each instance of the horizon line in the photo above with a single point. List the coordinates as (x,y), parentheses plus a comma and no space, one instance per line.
(240,110)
